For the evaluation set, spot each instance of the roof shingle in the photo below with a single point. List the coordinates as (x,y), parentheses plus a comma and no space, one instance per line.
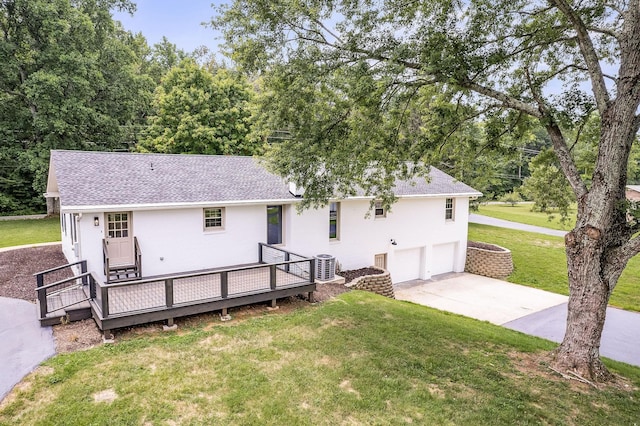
(110,179)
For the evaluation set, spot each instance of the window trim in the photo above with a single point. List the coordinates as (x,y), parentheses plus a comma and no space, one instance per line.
(337,219)
(213,228)
(379,206)
(449,209)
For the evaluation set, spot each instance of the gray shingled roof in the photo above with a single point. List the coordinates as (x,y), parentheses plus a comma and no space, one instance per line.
(112,179)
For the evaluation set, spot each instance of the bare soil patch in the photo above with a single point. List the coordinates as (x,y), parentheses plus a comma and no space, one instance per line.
(18,266)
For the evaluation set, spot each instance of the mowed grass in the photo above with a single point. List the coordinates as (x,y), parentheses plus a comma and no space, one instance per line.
(540,261)
(359,359)
(29,231)
(522,213)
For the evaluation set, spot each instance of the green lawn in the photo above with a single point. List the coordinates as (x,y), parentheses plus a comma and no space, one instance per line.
(359,359)
(540,261)
(522,213)
(19,232)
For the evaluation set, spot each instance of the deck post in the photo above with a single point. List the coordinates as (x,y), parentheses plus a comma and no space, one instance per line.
(311,298)
(287,258)
(42,298)
(224,285)
(104,294)
(168,292)
(272,276)
(92,287)
(83,270)
(260,253)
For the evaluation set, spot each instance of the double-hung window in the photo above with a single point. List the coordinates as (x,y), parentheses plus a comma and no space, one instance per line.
(214,218)
(449,206)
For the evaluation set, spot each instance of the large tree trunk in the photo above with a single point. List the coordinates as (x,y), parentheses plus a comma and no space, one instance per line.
(589,294)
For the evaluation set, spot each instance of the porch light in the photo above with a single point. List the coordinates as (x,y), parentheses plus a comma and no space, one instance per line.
(96,221)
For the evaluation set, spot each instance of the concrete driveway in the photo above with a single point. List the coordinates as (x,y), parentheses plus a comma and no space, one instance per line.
(478,297)
(529,310)
(24,343)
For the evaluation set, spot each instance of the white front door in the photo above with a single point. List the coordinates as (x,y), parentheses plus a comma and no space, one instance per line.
(119,238)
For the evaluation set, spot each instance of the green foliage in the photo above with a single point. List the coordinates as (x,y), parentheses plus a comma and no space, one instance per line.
(68,80)
(362,358)
(511,198)
(547,186)
(198,112)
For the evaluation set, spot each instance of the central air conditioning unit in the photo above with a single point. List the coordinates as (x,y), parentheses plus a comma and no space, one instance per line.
(325,267)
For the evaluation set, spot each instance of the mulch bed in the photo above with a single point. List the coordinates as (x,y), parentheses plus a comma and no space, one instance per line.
(484,246)
(356,273)
(17,281)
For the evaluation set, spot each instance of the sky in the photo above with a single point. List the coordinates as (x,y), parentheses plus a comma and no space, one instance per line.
(178,20)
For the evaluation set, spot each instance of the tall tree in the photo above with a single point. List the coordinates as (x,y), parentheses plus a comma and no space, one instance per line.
(200,113)
(68,79)
(342,76)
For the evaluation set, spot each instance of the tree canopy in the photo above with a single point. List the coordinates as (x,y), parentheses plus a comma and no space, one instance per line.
(68,80)
(368,91)
(197,112)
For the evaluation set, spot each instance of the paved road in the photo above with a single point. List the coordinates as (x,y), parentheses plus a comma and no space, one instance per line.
(486,220)
(24,343)
(526,309)
(620,337)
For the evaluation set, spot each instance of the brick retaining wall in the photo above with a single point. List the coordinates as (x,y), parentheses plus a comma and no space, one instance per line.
(493,264)
(379,283)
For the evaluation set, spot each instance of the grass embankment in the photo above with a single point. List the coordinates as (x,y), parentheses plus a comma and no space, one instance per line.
(29,231)
(522,213)
(359,359)
(540,261)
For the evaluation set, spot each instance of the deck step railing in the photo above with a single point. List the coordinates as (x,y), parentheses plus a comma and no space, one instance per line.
(66,292)
(117,273)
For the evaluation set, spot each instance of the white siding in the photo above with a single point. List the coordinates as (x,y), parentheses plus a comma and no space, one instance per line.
(174,240)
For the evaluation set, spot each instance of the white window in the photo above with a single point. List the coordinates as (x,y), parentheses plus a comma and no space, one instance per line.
(449,206)
(334,221)
(380,211)
(214,219)
(74,228)
(63,223)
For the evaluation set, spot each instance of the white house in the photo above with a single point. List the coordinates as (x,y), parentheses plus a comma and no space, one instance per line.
(182,213)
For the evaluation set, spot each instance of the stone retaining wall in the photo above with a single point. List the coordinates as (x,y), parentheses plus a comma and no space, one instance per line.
(493,264)
(379,283)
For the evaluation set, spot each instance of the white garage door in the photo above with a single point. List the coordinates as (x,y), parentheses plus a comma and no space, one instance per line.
(443,258)
(406,265)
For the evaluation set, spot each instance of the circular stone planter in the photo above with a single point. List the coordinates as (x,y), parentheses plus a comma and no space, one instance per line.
(488,260)
(378,283)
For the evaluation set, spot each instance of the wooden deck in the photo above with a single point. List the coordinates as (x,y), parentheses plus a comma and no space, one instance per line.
(122,304)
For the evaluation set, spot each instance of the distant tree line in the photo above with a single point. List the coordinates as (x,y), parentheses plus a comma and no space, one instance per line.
(73,78)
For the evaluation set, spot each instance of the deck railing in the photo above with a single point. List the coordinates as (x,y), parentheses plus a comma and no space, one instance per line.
(55,296)
(271,254)
(114,299)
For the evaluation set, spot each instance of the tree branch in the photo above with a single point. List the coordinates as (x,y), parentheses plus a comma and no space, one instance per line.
(589,55)
(506,100)
(604,31)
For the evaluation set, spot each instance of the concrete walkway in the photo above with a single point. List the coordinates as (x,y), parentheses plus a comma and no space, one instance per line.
(529,310)
(24,343)
(486,220)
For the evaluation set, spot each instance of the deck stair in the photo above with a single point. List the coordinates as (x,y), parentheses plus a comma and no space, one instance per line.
(64,300)
(123,273)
